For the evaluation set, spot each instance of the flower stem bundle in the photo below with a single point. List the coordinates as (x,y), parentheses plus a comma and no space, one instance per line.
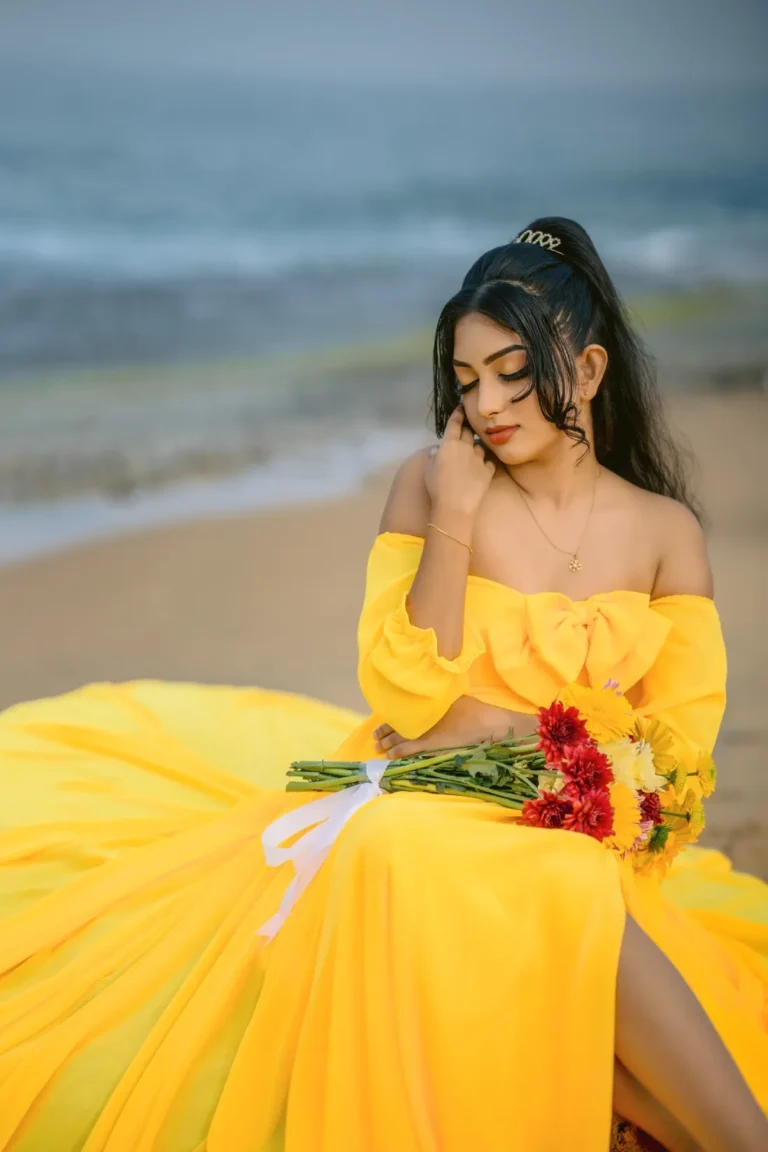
(593,766)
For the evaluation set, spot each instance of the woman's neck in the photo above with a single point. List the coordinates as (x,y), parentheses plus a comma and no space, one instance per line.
(560,480)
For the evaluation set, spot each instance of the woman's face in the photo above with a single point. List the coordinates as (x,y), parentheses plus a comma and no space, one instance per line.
(491,369)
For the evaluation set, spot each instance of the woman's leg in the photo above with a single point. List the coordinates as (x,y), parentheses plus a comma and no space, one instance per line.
(667,1043)
(633,1102)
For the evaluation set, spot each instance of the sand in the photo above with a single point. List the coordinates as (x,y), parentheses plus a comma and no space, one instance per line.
(272,599)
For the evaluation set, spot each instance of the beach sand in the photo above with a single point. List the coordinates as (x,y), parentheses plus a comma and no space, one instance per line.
(272,599)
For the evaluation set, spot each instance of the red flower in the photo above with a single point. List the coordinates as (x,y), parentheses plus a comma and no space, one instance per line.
(548,811)
(650,807)
(559,729)
(587,768)
(591,814)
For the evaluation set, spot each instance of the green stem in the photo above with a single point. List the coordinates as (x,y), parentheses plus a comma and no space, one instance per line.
(404,785)
(315,786)
(323,764)
(465,785)
(523,780)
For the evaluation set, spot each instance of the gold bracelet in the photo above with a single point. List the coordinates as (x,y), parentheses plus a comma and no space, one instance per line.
(450,537)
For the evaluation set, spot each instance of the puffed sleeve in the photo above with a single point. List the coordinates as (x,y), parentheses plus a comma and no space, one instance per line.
(685,687)
(402,675)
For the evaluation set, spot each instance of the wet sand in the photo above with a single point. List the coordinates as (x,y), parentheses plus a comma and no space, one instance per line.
(272,599)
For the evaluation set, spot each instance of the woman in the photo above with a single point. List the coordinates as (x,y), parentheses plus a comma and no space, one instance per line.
(449,979)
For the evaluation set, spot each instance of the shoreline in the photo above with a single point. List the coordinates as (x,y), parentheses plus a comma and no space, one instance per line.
(271,598)
(131,433)
(29,530)
(334,465)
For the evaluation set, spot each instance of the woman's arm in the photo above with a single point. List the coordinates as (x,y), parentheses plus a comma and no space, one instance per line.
(445,487)
(683,568)
(415,645)
(467,721)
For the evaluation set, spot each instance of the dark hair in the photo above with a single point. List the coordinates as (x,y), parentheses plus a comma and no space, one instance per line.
(559,302)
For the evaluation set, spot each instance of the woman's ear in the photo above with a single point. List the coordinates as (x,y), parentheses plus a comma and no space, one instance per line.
(590,367)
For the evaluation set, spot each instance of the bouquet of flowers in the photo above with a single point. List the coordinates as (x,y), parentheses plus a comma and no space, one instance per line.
(593,766)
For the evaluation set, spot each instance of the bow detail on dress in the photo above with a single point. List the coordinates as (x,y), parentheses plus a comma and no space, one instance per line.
(557,641)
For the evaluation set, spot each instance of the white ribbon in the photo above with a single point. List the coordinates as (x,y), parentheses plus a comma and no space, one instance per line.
(324,818)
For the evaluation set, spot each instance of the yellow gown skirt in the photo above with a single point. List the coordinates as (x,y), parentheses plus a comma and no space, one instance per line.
(445,983)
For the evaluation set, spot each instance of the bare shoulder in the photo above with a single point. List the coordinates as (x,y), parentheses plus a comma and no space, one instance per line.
(408,504)
(683,559)
(669,532)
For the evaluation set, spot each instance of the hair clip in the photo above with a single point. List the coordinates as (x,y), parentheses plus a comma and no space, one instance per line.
(543,239)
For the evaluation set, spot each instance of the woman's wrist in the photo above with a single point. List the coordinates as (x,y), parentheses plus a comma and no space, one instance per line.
(454,521)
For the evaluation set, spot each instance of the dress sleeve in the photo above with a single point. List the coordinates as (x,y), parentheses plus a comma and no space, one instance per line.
(685,687)
(401,674)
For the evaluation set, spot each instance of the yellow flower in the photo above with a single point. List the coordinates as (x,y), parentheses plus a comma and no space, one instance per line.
(693,808)
(606,715)
(706,773)
(626,817)
(657,857)
(633,765)
(661,740)
(686,817)
(682,780)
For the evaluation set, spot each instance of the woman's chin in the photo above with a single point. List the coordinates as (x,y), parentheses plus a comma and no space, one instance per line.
(512,455)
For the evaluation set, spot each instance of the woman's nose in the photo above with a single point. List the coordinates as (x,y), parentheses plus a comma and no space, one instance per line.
(490,397)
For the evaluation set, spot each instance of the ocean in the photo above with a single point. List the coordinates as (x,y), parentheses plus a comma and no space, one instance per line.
(169,221)
(149,226)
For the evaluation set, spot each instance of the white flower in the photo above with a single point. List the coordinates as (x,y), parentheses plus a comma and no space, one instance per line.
(632,764)
(647,778)
(622,755)
(551,781)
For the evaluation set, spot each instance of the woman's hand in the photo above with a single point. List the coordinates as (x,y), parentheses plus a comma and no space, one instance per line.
(467,721)
(458,473)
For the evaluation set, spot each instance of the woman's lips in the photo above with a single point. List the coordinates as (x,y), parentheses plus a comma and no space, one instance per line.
(502,433)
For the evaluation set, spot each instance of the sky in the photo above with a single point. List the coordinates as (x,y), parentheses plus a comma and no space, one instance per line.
(629,42)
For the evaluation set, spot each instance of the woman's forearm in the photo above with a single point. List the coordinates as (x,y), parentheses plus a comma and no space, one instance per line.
(439,589)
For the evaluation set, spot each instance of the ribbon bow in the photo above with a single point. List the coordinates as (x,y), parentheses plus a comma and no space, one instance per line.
(321,821)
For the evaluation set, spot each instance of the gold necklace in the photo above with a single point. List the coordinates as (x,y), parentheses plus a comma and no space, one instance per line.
(574,564)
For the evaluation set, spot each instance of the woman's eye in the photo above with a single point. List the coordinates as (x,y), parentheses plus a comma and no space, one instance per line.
(465,387)
(510,377)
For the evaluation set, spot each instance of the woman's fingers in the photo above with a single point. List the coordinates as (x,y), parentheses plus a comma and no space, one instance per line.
(389,739)
(457,427)
(404,748)
(397,746)
(455,424)
(393,745)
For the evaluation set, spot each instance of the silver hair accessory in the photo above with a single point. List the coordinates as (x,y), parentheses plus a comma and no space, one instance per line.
(543,239)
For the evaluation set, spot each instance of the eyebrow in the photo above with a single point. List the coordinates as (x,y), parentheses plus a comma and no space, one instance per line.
(494,356)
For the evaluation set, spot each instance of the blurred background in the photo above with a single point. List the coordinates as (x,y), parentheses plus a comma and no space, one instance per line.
(226,230)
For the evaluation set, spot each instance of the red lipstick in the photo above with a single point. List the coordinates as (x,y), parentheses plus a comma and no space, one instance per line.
(500,433)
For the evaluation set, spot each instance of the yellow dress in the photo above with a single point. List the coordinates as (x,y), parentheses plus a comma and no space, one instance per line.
(447,980)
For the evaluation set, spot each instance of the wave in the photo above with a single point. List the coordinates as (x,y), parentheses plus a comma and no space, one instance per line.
(175,254)
(735,251)
(331,469)
(732,249)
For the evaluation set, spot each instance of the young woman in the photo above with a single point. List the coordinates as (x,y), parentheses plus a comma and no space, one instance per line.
(449,980)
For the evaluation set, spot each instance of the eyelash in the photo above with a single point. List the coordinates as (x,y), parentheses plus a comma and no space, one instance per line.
(508,378)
